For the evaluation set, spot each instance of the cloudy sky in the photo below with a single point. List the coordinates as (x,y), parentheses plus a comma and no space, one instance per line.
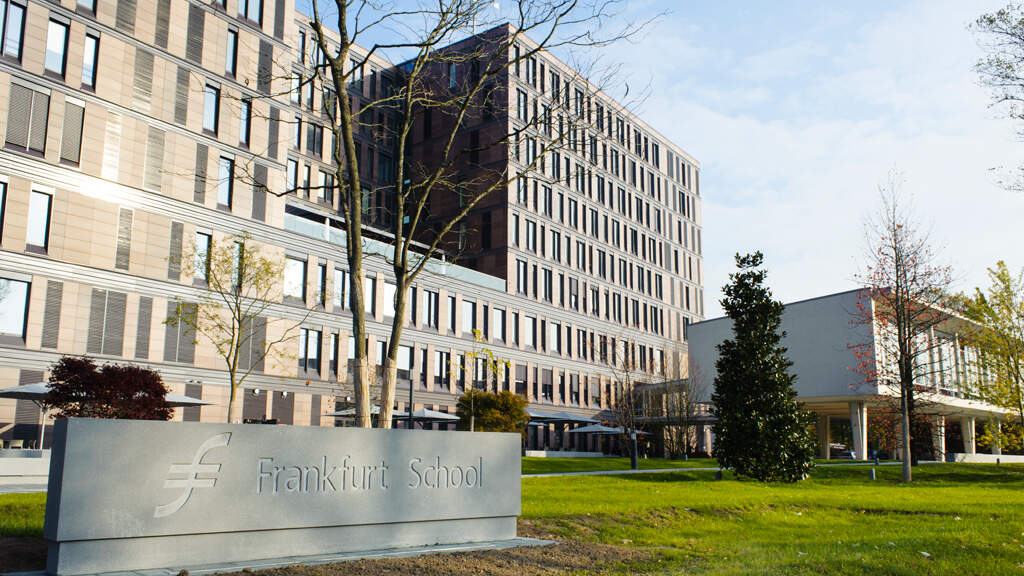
(798,111)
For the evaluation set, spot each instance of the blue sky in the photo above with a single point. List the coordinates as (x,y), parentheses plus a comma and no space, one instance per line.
(798,111)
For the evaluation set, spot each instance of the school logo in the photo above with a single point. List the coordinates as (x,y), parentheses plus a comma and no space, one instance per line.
(196,474)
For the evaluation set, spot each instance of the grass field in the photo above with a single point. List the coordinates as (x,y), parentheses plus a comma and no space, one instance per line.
(954,519)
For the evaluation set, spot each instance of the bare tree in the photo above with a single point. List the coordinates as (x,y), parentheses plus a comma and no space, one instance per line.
(1001,69)
(235,312)
(685,403)
(630,400)
(432,41)
(905,295)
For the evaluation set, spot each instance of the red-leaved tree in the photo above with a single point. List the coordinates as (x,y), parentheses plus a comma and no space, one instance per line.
(78,388)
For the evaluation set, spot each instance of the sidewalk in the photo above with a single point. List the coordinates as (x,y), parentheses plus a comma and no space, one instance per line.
(697,469)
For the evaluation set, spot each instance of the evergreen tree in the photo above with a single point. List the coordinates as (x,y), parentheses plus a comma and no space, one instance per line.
(761,430)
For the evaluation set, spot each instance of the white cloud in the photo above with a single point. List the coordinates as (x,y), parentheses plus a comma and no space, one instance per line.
(795,136)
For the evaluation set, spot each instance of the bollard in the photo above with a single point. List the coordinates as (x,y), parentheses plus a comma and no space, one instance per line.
(871,474)
(998,461)
(718,475)
(686,457)
(876,460)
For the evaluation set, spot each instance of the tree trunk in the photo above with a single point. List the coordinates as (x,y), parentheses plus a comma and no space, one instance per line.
(361,391)
(905,433)
(235,404)
(387,394)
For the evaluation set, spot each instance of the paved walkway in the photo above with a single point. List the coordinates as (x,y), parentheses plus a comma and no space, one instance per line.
(659,470)
(21,488)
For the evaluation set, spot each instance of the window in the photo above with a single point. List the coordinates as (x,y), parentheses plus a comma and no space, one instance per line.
(531,332)
(309,351)
(90,57)
(451,75)
(231,62)
(452,314)
(332,363)
(531,235)
(321,284)
(297,136)
(431,318)
(468,317)
(499,324)
(38,234)
(340,289)
(251,10)
(293,175)
(56,47)
(245,121)
(521,279)
(370,296)
(211,109)
(27,116)
(13,308)
(388,295)
(225,181)
(548,285)
(404,362)
(201,263)
(442,368)
(89,5)
(295,278)
(13,21)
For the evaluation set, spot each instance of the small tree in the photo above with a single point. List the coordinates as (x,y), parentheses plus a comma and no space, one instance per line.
(494,366)
(685,401)
(233,314)
(78,389)
(905,297)
(761,430)
(482,411)
(999,368)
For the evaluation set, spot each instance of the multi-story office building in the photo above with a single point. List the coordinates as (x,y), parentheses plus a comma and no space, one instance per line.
(138,131)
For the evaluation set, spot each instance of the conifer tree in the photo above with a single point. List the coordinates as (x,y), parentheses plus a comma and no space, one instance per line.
(761,430)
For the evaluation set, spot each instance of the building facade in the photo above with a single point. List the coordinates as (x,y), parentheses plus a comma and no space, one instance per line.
(844,373)
(140,132)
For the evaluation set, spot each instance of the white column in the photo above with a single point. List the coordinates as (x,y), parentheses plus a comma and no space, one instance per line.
(859,427)
(967,432)
(939,437)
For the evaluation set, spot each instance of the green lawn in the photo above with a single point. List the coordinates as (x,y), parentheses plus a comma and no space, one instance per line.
(968,519)
(556,465)
(954,519)
(22,514)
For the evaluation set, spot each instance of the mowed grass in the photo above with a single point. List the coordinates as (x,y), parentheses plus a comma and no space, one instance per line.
(954,519)
(22,514)
(558,465)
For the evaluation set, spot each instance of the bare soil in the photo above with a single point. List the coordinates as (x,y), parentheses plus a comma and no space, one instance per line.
(23,554)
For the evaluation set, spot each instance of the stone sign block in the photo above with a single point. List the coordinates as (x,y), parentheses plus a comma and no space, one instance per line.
(133,495)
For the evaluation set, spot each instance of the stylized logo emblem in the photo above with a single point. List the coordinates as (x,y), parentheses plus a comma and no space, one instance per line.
(192,472)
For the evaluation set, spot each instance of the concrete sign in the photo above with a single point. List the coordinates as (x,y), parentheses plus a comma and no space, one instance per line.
(132,495)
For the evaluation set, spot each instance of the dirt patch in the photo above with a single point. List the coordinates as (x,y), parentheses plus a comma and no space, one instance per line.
(22,554)
(560,558)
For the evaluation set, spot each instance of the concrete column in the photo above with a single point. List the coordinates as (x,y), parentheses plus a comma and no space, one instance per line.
(859,425)
(939,437)
(967,432)
(824,436)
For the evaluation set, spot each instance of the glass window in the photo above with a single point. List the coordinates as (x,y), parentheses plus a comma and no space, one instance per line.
(211,108)
(89,5)
(388,296)
(201,265)
(251,9)
(231,61)
(245,121)
(89,60)
(468,317)
(370,295)
(293,175)
(13,307)
(340,288)
(38,233)
(295,278)
(13,29)
(56,47)
(225,181)
(531,332)
(309,351)
(431,309)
